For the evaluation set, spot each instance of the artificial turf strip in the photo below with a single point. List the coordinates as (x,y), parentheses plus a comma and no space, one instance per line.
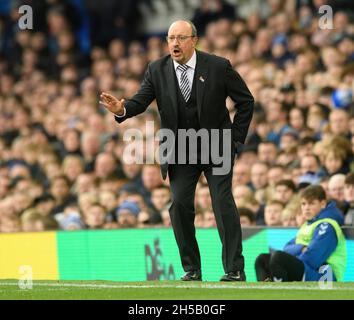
(174,290)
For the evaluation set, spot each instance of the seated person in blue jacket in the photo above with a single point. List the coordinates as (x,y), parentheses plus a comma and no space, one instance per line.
(318,250)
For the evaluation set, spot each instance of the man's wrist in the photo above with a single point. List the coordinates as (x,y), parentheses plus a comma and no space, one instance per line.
(123,114)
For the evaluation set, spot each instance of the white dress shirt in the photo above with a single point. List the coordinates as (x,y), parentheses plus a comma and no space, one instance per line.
(190,71)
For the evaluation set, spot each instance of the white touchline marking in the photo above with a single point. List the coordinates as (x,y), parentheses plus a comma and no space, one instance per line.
(189,286)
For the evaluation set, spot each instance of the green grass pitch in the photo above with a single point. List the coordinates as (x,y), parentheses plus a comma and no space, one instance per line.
(174,290)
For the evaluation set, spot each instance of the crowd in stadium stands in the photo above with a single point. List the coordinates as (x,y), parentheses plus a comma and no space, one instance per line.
(61,153)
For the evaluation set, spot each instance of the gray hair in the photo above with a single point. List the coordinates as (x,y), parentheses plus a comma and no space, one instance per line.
(194,29)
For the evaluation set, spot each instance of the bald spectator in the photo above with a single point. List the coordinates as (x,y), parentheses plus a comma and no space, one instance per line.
(336,187)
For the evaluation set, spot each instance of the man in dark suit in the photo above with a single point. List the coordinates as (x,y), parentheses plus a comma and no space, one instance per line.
(190,88)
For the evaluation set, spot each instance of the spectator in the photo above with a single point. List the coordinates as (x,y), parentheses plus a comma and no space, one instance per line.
(339,122)
(241,174)
(32,221)
(247,217)
(85,182)
(160,197)
(320,241)
(310,169)
(275,174)
(297,119)
(273,213)
(95,216)
(242,192)
(305,147)
(72,167)
(288,217)
(334,161)
(151,178)
(44,204)
(71,143)
(108,200)
(60,189)
(284,191)
(105,165)
(336,187)
(127,214)
(259,175)
(72,222)
(267,152)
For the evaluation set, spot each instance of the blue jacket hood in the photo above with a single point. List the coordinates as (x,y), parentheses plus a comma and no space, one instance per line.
(331,211)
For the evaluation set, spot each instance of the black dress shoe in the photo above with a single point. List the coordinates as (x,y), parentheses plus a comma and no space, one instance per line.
(192,276)
(234,276)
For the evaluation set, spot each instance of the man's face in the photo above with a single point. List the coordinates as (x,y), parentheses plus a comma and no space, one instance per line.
(95,217)
(181,50)
(339,122)
(283,193)
(275,175)
(267,152)
(259,175)
(242,173)
(309,164)
(59,189)
(160,197)
(311,208)
(104,165)
(332,162)
(272,215)
(336,190)
(151,177)
(126,219)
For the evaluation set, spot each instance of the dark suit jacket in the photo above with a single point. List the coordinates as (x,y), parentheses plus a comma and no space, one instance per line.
(215,81)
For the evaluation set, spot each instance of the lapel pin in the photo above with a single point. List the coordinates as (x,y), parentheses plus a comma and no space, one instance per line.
(201,78)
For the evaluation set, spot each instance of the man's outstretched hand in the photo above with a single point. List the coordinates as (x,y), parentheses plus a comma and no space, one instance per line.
(112,103)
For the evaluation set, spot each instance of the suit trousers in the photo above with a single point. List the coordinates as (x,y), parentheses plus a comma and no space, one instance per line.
(183,181)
